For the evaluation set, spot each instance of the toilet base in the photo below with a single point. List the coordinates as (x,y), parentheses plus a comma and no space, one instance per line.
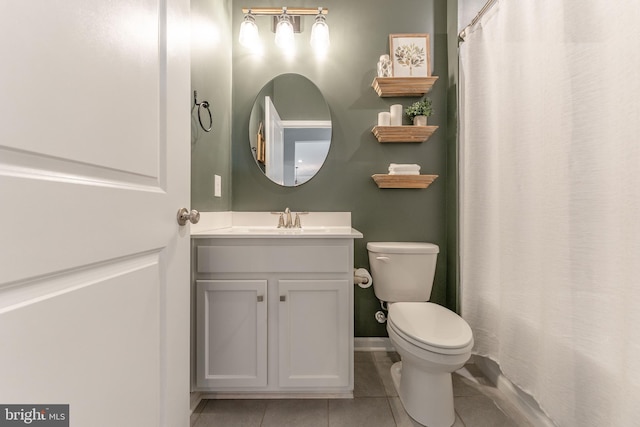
(427,397)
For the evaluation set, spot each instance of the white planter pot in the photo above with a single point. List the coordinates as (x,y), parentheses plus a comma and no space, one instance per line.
(420,121)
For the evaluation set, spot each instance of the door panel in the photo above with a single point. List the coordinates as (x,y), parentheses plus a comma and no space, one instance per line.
(313,333)
(232,333)
(70,65)
(94,165)
(78,337)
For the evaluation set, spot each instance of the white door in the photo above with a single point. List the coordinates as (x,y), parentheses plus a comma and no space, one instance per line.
(274,141)
(94,165)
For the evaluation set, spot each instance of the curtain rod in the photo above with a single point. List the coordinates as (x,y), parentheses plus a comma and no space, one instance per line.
(475,20)
(484,10)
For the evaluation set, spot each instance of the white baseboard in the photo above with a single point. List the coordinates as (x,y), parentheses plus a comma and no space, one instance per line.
(524,402)
(275,395)
(372,344)
(194,400)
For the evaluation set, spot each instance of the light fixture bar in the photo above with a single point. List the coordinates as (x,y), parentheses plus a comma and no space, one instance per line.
(290,10)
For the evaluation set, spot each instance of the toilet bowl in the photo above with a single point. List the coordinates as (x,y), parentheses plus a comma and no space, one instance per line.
(431,340)
(429,354)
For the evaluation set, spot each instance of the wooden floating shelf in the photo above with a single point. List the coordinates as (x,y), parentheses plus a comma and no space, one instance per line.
(403,181)
(403,133)
(403,86)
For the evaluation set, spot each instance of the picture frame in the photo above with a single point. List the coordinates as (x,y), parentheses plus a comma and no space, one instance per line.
(410,55)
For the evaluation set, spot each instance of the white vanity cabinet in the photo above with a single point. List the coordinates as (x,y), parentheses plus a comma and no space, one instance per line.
(313,333)
(274,315)
(232,333)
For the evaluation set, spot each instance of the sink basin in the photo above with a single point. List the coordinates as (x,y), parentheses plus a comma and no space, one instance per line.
(264,225)
(276,230)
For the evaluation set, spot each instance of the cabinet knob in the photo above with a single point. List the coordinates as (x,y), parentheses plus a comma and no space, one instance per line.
(260,298)
(283,298)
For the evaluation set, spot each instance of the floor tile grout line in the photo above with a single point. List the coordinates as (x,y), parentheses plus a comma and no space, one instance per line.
(328,412)
(264,413)
(392,414)
(459,417)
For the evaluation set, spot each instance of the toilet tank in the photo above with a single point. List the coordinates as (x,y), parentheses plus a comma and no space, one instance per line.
(402,271)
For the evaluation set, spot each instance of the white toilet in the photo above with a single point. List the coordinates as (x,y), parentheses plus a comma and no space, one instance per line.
(431,340)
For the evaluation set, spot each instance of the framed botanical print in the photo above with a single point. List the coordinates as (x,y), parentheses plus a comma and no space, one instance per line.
(410,55)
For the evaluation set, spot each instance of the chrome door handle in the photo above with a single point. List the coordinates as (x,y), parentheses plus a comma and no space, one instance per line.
(184,215)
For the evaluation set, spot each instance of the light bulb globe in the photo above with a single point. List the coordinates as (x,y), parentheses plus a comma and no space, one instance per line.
(249,36)
(284,33)
(320,35)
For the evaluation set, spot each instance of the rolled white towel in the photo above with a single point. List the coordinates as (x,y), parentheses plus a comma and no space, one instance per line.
(404,165)
(398,167)
(404,172)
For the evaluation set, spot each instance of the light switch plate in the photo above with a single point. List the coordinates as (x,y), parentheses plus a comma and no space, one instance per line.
(217,186)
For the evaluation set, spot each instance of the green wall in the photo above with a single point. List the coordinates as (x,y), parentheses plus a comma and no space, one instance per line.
(211,46)
(359,35)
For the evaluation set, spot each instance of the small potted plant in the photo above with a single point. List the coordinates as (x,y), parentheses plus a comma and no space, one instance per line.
(419,111)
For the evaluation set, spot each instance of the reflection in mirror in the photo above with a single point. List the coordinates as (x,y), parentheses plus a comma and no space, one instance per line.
(290,130)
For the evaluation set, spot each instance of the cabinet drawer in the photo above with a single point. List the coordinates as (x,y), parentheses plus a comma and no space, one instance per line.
(268,259)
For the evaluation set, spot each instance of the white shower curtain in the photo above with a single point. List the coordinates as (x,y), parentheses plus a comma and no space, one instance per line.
(550,202)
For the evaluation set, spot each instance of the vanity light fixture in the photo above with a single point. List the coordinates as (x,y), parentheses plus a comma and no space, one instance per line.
(320,34)
(249,31)
(287,24)
(284,32)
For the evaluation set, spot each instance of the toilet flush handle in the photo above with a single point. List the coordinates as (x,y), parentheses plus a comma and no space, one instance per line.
(382,258)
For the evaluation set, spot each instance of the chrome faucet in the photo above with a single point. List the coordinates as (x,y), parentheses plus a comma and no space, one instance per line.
(287,218)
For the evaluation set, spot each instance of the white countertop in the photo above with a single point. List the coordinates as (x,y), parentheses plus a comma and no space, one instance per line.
(328,225)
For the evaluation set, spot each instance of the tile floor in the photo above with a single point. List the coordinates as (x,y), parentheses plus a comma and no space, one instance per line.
(375,403)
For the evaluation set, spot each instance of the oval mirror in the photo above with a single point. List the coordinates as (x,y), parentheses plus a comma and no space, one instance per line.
(290,130)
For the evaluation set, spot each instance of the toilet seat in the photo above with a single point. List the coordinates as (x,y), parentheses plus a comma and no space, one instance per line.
(430,327)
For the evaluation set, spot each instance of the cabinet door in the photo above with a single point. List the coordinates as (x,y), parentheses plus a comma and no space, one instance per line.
(314,334)
(231,333)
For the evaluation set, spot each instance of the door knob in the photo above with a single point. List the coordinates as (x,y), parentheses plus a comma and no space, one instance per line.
(184,215)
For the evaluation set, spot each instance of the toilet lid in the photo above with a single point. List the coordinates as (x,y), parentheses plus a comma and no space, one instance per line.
(403,247)
(430,324)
